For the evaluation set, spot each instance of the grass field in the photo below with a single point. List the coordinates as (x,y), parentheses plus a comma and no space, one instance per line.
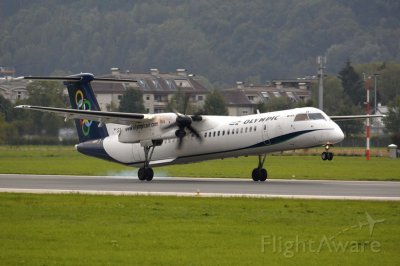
(110,230)
(65,160)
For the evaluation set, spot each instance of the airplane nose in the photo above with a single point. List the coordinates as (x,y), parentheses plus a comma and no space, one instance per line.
(339,135)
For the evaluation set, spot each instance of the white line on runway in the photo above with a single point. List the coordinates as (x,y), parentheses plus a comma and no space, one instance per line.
(193,194)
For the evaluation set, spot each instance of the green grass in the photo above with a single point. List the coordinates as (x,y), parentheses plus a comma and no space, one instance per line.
(65,160)
(122,230)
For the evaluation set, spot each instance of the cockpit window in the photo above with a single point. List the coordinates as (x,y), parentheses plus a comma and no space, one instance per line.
(309,116)
(301,117)
(316,116)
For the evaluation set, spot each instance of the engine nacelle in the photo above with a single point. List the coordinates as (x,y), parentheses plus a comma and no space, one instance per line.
(137,133)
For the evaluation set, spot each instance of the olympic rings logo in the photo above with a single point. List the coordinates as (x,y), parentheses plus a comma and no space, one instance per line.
(83,104)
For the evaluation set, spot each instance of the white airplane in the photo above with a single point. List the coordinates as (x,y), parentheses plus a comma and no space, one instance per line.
(147,140)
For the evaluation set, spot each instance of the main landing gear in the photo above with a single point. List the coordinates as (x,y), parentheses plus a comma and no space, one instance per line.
(146,172)
(326,155)
(259,173)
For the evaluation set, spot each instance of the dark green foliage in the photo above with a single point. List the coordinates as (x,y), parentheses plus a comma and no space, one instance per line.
(6,109)
(337,102)
(132,101)
(17,123)
(277,104)
(223,40)
(180,102)
(215,104)
(45,93)
(352,84)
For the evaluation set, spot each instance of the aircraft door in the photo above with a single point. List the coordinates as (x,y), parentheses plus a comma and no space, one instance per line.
(265,135)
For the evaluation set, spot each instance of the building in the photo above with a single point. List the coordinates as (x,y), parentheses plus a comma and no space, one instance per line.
(377,124)
(243,99)
(13,90)
(237,102)
(157,88)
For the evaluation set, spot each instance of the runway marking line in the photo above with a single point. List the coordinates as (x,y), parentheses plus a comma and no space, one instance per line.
(193,194)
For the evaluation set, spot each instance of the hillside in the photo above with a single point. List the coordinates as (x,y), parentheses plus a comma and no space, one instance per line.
(222,40)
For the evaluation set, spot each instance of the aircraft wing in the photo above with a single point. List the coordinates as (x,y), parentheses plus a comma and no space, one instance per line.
(353,117)
(100,116)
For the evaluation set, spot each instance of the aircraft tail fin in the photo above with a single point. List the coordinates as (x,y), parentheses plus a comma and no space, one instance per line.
(82,97)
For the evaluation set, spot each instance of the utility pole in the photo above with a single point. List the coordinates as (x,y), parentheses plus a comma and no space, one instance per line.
(368,127)
(321,61)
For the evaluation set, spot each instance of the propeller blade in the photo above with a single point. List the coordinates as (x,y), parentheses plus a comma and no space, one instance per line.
(183,122)
(194,131)
(180,142)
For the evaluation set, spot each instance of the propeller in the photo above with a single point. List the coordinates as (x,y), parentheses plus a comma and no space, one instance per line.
(184,122)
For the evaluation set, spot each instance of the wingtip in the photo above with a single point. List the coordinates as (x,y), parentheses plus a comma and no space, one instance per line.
(22,106)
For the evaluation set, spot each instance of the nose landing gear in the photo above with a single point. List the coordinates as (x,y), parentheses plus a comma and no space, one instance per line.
(326,155)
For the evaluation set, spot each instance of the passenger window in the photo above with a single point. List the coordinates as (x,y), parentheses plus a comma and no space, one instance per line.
(218,133)
(214,134)
(255,128)
(209,134)
(223,132)
(241,130)
(205,135)
(245,130)
(250,129)
(237,131)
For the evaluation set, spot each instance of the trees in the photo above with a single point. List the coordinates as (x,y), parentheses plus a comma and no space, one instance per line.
(45,93)
(277,104)
(392,121)
(223,40)
(180,103)
(132,101)
(6,109)
(352,84)
(215,104)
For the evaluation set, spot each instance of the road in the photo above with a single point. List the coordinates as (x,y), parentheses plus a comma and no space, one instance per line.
(358,190)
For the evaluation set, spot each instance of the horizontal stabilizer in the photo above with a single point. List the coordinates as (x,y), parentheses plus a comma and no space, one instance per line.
(78,77)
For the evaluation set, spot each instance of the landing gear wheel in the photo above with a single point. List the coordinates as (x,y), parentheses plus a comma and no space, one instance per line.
(263,174)
(327,156)
(149,173)
(255,175)
(141,174)
(259,174)
(145,173)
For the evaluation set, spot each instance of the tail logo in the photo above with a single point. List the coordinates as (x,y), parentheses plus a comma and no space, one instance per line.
(83,104)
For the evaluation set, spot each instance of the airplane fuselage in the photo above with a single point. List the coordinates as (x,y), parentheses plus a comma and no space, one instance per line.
(222,137)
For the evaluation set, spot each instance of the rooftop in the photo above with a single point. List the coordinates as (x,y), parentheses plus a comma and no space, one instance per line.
(153,82)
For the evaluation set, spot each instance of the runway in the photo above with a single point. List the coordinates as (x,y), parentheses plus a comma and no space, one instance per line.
(202,187)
